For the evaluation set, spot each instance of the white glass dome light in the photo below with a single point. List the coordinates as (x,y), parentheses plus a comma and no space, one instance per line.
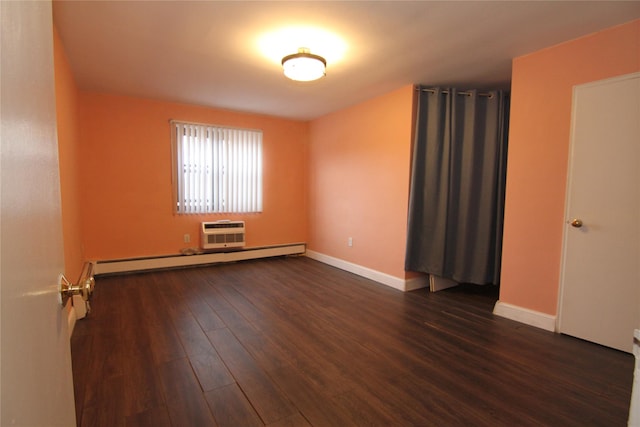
(304,66)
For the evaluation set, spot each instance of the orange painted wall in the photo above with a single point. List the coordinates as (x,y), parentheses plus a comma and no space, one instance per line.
(68,149)
(126,191)
(538,154)
(359,182)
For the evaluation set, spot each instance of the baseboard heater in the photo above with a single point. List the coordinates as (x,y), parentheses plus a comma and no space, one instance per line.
(173,261)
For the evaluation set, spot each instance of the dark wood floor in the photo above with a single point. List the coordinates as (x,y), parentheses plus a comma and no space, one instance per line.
(292,342)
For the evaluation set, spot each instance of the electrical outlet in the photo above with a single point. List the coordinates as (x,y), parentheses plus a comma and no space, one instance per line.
(350,241)
(187,238)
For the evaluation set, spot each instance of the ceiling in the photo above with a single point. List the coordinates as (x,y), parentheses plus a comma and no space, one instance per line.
(213,53)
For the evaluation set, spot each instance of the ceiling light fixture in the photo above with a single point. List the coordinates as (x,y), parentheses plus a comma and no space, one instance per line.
(304,66)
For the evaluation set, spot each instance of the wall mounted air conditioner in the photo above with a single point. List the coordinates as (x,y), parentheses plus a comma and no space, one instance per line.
(222,234)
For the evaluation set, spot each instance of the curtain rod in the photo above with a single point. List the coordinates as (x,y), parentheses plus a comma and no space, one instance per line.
(183,122)
(446,92)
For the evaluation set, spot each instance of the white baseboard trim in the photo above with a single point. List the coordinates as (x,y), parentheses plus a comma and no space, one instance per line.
(526,316)
(71,318)
(437,283)
(377,276)
(155,263)
(418,282)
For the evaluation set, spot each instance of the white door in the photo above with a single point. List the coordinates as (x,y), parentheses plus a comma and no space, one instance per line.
(601,270)
(36,380)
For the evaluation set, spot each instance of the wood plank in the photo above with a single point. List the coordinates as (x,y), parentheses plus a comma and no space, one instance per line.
(295,420)
(178,379)
(190,412)
(110,410)
(231,408)
(193,338)
(142,388)
(204,314)
(155,417)
(269,402)
(184,398)
(316,407)
(164,340)
(263,350)
(210,371)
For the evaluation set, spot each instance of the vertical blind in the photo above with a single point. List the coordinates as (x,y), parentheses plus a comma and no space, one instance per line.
(217,169)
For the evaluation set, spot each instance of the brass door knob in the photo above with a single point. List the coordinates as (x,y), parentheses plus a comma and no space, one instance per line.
(84,288)
(577,223)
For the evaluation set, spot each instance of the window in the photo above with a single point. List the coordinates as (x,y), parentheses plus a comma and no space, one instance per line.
(217,169)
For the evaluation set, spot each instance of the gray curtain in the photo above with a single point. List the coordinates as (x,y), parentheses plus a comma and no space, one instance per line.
(456,200)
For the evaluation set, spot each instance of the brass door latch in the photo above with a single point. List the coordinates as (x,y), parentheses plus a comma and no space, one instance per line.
(84,288)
